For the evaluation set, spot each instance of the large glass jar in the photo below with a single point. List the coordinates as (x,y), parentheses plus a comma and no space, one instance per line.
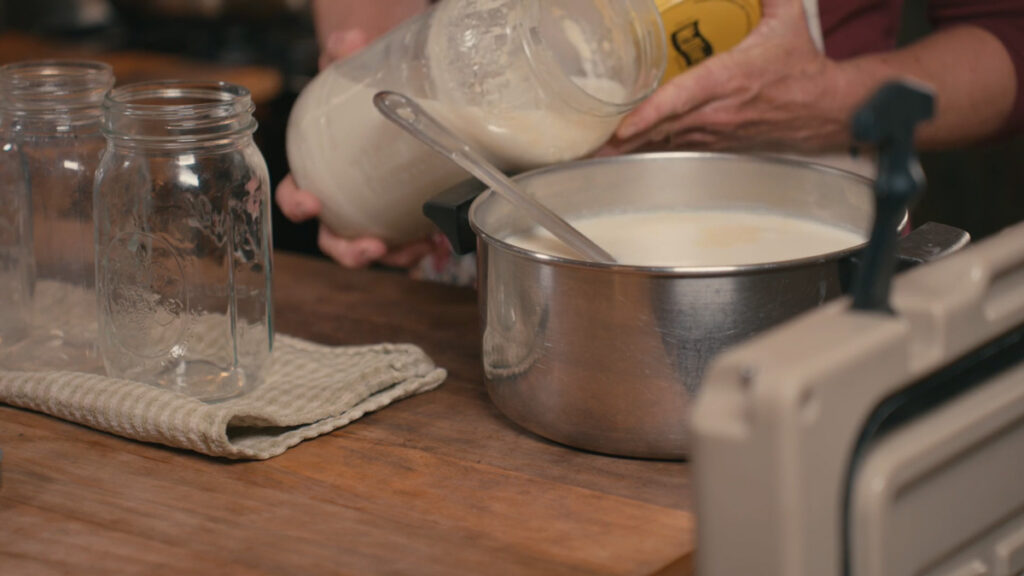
(51,111)
(528,82)
(16,262)
(183,239)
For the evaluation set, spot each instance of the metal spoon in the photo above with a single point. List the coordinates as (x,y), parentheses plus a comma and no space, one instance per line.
(410,116)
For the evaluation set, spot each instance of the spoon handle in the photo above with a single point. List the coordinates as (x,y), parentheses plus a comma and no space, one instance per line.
(410,116)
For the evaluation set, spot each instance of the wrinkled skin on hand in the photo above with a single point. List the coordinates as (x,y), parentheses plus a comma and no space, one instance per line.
(774,90)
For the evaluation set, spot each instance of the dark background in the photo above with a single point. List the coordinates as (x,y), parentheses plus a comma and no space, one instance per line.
(979,189)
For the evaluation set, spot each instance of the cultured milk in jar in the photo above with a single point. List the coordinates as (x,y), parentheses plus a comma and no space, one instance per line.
(527,82)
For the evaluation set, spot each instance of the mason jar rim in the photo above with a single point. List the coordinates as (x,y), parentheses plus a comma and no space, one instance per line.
(177,112)
(50,85)
(217,95)
(92,66)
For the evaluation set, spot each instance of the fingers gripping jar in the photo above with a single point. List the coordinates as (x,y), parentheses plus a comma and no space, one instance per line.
(528,82)
(52,116)
(183,239)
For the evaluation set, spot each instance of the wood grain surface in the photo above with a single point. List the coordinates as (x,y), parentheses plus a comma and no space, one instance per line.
(437,484)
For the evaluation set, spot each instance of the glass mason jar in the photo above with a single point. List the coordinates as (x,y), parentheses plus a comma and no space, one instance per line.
(183,239)
(52,112)
(528,82)
(17,274)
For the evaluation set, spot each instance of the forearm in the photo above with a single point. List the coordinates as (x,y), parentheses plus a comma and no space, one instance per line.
(970,70)
(374,17)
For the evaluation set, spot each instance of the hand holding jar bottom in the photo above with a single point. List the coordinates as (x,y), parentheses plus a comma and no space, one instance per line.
(533,99)
(344,28)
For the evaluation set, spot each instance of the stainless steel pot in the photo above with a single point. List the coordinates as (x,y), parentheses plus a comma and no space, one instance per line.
(608,357)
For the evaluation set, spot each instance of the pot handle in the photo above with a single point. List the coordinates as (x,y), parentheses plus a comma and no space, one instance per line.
(929,242)
(449,210)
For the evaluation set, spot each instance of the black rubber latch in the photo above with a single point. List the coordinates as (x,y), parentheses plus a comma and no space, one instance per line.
(449,210)
(888,121)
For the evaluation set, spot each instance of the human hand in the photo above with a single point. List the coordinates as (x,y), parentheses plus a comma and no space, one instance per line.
(342,44)
(774,90)
(371,19)
(299,205)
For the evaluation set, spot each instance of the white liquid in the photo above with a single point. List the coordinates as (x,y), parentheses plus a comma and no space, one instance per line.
(370,176)
(699,238)
(523,139)
(373,178)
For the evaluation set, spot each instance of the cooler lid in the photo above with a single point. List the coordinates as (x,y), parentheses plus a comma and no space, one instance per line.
(864,442)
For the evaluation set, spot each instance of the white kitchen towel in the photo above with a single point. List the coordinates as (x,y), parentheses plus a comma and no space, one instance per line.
(308,390)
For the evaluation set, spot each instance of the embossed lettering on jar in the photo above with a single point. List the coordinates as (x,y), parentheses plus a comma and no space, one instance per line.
(183,239)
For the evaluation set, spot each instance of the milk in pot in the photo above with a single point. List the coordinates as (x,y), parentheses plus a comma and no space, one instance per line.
(699,238)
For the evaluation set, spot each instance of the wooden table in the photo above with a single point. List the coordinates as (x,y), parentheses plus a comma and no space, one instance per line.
(436,484)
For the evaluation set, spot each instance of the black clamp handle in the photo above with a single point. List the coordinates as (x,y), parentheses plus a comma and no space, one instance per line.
(449,211)
(888,121)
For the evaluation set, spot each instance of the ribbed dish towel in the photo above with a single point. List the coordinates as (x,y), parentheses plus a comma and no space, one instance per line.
(309,390)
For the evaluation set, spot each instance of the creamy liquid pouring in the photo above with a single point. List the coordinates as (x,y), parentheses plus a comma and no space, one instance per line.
(699,238)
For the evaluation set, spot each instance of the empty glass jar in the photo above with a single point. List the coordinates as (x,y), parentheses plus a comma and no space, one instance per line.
(52,115)
(528,82)
(183,239)
(16,263)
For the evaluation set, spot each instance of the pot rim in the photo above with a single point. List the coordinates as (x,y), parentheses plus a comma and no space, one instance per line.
(675,271)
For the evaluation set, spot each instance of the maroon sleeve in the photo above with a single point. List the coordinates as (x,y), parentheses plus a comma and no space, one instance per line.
(1005,20)
(857,27)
